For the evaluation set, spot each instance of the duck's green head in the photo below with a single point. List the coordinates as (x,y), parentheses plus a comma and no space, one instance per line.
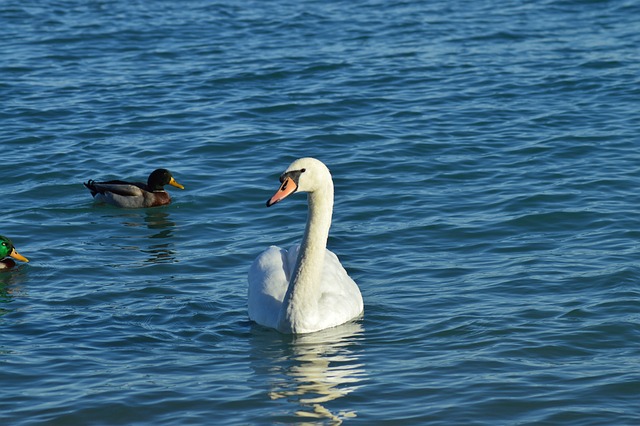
(161,177)
(7,249)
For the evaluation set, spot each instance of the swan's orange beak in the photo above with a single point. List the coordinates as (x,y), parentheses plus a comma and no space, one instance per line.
(18,256)
(287,188)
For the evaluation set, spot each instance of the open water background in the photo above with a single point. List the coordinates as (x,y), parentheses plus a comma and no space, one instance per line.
(486,157)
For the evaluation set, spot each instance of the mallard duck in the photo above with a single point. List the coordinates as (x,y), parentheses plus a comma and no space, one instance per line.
(7,251)
(135,194)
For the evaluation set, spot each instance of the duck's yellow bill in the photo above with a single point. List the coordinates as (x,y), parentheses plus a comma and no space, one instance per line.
(173,182)
(18,256)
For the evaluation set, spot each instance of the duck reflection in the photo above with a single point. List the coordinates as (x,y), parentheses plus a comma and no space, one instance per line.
(162,251)
(315,369)
(10,287)
(160,248)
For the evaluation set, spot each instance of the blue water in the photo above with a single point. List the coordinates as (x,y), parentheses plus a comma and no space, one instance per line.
(486,160)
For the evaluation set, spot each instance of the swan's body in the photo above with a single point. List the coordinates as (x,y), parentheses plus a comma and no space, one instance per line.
(304,289)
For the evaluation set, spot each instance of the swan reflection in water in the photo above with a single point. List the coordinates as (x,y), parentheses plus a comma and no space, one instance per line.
(312,370)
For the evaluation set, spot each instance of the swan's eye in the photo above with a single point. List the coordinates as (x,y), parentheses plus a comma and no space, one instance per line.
(303,170)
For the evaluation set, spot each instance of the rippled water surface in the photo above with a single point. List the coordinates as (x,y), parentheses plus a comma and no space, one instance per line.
(486,160)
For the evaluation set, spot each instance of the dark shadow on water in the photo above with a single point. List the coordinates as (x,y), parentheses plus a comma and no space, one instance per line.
(312,371)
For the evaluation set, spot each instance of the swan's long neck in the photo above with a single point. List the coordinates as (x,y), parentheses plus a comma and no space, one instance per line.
(300,304)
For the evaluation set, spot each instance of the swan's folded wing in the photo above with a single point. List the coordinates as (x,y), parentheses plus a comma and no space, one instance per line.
(339,292)
(268,282)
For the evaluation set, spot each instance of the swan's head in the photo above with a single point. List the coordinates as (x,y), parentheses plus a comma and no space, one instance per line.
(304,175)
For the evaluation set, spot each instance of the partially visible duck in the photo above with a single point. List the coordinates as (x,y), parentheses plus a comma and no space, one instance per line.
(8,251)
(135,194)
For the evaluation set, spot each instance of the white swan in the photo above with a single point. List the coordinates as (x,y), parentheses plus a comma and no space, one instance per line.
(304,289)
